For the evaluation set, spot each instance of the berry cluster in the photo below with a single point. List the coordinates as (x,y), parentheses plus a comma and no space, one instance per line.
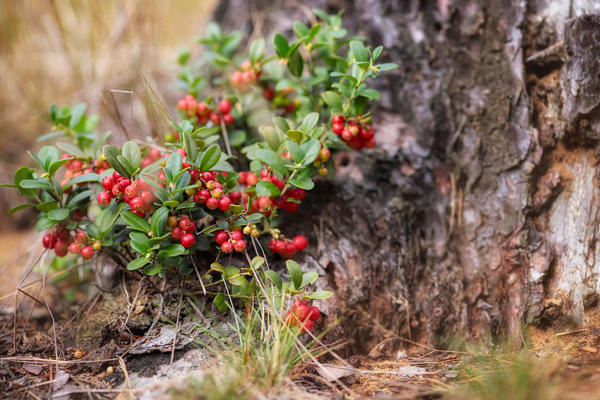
(63,242)
(302,315)
(230,240)
(210,191)
(182,230)
(203,113)
(286,247)
(138,195)
(246,76)
(289,200)
(357,135)
(77,167)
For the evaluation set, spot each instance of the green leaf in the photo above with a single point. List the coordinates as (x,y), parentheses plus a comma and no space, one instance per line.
(296,63)
(281,45)
(386,67)
(310,149)
(159,220)
(266,188)
(294,149)
(295,273)
(272,159)
(309,122)
(219,301)
(369,94)
(126,164)
(275,278)
(332,99)
(85,195)
(210,157)
(52,168)
(189,143)
(136,222)
(295,135)
(257,262)
(319,295)
(256,49)
(131,152)
(217,267)
(108,216)
(91,177)
(153,269)
(139,242)
(59,214)
(309,278)
(47,155)
(172,250)
(44,223)
(137,263)
(47,206)
(359,51)
(72,149)
(49,135)
(77,112)
(300,29)
(112,153)
(38,183)
(20,207)
(232,274)
(21,174)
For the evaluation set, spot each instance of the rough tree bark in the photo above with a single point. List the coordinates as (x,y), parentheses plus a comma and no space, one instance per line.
(478,211)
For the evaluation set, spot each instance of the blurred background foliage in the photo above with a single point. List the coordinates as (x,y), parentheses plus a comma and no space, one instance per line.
(68,51)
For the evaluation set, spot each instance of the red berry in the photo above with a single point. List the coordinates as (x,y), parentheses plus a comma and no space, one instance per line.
(251,179)
(81,237)
(289,249)
(228,119)
(346,134)
(300,242)
(224,203)
(63,233)
(116,176)
(298,194)
(225,106)
(268,93)
(370,144)
(337,119)
(137,204)
(48,241)
(74,248)
(108,182)
(290,319)
(154,153)
(123,183)
(301,310)
(215,118)
(236,235)
(212,203)
(176,233)
(61,248)
(314,313)
(264,203)
(172,221)
(221,237)
(227,247)
(147,197)
(208,176)
(131,191)
(182,152)
(307,326)
(235,196)
(187,225)
(188,240)
(239,245)
(201,196)
(87,252)
(104,198)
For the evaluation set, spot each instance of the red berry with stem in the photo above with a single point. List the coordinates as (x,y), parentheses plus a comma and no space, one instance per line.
(228,119)
(104,198)
(81,237)
(235,196)
(300,242)
(239,245)
(314,313)
(48,241)
(188,240)
(224,203)
(227,247)
(108,182)
(346,134)
(236,235)
(201,196)
(225,106)
(147,197)
(337,129)
(221,237)
(123,183)
(176,233)
(251,179)
(87,252)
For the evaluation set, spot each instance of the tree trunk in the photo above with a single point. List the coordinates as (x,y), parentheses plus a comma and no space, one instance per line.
(478,211)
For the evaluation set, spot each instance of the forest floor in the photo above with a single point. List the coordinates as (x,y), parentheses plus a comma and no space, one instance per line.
(80,347)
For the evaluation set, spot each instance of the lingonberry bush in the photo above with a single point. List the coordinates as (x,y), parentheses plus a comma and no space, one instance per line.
(255,130)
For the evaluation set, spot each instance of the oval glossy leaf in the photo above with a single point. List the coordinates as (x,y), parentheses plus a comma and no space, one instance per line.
(136,222)
(131,152)
(295,273)
(58,214)
(320,294)
(210,157)
(266,188)
(137,263)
